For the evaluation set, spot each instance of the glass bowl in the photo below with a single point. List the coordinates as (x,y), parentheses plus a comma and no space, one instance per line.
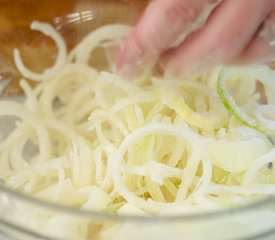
(22,217)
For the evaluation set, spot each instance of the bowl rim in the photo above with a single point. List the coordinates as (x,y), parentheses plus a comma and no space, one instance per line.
(95,215)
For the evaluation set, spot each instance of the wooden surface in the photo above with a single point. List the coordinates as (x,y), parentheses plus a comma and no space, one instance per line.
(73,18)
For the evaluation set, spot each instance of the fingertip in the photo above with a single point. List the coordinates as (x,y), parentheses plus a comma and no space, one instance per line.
(160,26)
(188,59)
(258,51)
(123,65)
(128,58)
(179,69)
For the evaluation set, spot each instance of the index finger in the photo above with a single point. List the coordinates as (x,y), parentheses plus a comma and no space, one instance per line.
(162,23)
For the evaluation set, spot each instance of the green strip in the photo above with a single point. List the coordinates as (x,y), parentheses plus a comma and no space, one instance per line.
(232,107)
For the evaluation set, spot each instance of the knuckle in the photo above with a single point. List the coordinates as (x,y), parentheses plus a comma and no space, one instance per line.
(182,12)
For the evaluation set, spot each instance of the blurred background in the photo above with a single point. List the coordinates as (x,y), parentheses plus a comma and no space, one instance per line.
(72,18)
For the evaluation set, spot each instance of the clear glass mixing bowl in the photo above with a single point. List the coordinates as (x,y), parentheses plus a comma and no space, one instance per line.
(22,217)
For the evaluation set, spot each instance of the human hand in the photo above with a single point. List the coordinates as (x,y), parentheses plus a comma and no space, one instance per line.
(231,34)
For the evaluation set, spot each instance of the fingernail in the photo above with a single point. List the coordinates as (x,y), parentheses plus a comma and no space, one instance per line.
(134,60)
(129,61)
(130,71)
(268,32)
